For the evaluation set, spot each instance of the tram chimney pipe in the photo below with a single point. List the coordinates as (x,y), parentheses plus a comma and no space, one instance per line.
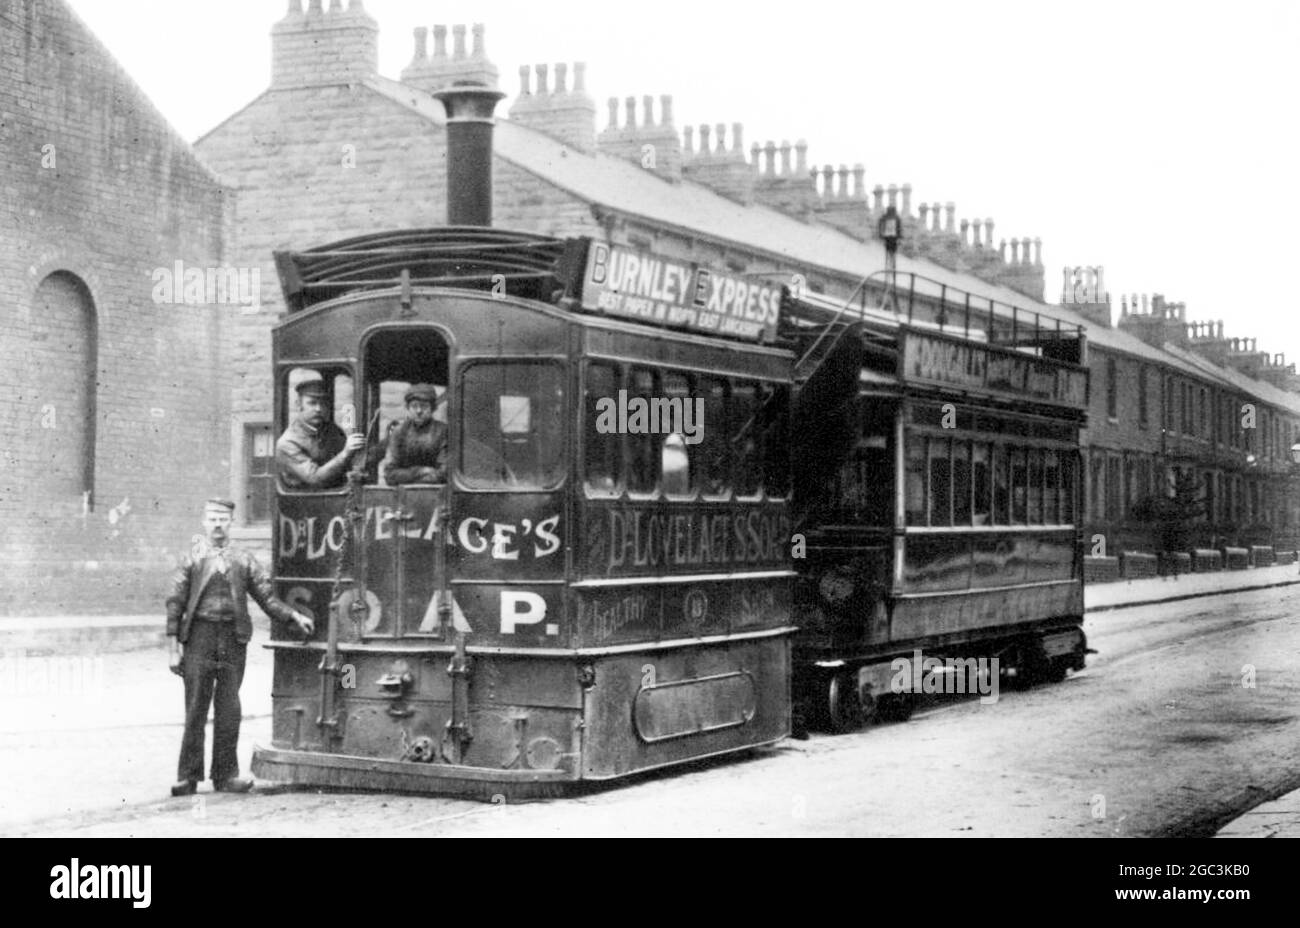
(469,109)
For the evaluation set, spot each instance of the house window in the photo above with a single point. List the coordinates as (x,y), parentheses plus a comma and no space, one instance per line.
(1142,397)
(1112,389)
(259,469)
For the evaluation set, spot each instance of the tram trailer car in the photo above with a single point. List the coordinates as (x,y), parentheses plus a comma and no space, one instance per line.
(937,494)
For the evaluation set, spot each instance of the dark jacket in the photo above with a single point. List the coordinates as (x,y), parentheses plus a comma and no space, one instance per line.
(411,448)
(246,577)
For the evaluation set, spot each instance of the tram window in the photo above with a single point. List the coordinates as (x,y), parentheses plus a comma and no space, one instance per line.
(642,447)
(1001,486)
(915,485)
(743,427)
(714,451)
(512,433)
(1019,479)
(1051,488)
(982,479)
(339,403)
(1069,474)
(961,483)
(674,453)
(776,442)
(1035,456)
(940,481)
(603,448)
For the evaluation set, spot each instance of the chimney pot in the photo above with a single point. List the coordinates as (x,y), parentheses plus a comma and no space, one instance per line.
(924,211)
(313,8)
(543,80)
(295,7)
(738,139)
(525,85)
(965,228)
(336,6)
(720,139)
(706,148)
(1015,251)
(580,77)
(612,103)
(988,232)
(769,152)
(1038,252)
(458,40)
(878,193)
(893,195)
(1002,250)
(828,181)
(421,43)
(801,157)
(630,105)
(951,209)
(858,190)
(977,233)
(478,41)
(907,199)
(688,137)
(785,158)
(648,110)
(666,110)
(561,78)
(439,41)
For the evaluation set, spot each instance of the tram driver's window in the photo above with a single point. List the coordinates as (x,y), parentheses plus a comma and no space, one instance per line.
(323,419)
(511,425)
(396,360)
(602,440)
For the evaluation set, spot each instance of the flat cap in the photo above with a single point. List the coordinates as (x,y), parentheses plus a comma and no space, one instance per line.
(423,391)
(219,504)
(311,388)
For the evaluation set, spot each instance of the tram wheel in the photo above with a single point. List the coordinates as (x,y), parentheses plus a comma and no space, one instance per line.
(1057,669)
(846,711)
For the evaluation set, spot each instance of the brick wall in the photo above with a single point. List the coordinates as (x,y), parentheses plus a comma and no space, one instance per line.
(98,192)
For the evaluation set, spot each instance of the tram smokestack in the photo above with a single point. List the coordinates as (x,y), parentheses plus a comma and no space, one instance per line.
(469,109)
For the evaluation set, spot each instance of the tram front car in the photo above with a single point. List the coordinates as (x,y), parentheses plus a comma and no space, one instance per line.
(570,603)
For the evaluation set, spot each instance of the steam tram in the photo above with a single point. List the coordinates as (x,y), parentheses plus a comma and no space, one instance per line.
(602,585)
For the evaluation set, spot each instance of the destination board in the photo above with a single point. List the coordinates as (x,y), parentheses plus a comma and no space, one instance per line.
(634,284)
(1001,372)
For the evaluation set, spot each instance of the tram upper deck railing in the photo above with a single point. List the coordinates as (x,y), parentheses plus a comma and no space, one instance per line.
(892,298)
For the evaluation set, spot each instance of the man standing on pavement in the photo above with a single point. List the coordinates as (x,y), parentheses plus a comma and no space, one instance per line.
(207,613)
(313,451)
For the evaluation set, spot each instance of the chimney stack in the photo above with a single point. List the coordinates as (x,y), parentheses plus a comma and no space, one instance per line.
(469,152)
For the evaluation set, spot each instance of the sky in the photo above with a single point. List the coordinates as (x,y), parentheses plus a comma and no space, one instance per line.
(1159,140)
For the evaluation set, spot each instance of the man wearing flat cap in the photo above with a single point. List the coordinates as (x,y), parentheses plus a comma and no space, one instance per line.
(207,615)
(313,451)
(417,448)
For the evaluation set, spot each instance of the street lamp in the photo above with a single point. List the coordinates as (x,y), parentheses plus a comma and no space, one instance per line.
(890,230)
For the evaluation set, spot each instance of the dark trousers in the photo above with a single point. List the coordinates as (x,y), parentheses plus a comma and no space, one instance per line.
(213,665)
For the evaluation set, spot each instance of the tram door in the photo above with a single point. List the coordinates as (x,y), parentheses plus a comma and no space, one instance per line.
(404,558)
